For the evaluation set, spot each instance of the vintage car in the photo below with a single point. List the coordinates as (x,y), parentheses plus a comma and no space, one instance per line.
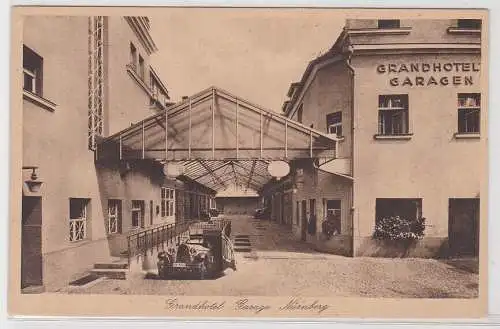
(262,213)
(202,256)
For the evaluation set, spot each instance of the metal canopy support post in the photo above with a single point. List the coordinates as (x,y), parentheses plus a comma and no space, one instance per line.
(286,139)
(166,135)
(237,139)
(213,123)
(143,141)
(120,148)
(261,134)
(234,173)
(310,144)
(189,145)
(251,174)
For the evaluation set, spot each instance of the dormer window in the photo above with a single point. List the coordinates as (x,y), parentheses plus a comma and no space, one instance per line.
(389,24)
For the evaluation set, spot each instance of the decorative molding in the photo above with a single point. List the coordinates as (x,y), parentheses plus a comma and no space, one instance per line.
(459,30)
(393,137)
(140,26)
(377,31)
(467,135)
(132,72)
(40,101)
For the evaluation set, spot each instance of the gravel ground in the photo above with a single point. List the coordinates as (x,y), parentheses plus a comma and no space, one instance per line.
(285,267)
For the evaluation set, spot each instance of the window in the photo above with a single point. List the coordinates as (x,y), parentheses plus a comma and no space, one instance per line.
(388,23)
(333,214)
(469,24)
(32,71)
(469,113)
(393,115)
(334,123)
(299,113)
(114,216)
(133,56)
(78,219)
(167,202)
(137,213)
(141,68)
(333,208)
(409,209)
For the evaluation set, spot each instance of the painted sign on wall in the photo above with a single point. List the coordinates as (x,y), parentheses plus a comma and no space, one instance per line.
(430,74)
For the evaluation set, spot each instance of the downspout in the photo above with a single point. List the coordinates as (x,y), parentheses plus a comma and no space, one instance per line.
(352,74)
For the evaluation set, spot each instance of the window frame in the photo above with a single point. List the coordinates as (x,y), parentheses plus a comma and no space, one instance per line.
(167,202)
(35,71)
(468,103)
(115,206)
(417,201)
(133,56)
(78,225)
(300,113)
(469,24)
(334,125)
(385,24)
(141,209)
(386,109)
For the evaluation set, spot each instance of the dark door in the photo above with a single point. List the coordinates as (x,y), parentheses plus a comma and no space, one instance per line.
(303,216)
(463,227)
(31,242)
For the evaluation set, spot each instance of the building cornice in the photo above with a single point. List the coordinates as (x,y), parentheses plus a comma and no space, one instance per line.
(140,26)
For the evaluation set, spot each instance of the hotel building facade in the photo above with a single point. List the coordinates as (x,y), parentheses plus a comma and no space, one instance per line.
(404,99)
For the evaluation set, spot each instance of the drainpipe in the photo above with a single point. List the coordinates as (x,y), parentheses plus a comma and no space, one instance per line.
(352,74)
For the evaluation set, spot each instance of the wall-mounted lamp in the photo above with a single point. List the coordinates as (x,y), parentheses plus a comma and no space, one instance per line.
(33,183)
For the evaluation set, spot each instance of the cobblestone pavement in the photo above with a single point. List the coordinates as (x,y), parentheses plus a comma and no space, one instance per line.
(280,265)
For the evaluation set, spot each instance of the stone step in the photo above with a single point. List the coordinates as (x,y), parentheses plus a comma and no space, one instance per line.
(117,274)
(116,266)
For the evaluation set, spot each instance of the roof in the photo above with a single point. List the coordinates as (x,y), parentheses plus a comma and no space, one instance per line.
(215,133)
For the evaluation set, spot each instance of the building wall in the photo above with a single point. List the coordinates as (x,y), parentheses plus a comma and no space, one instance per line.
(57,143)
(128,102)
(432,164)
(329,92)
(322,186)
(238,205)
(422,31)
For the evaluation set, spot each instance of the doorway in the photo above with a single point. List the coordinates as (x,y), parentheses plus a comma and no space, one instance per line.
(303,216)
(31,242)
(463,227)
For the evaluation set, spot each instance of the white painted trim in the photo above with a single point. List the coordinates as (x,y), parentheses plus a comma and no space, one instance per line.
(467,136)
(377,31)
(40,101)
(398,46)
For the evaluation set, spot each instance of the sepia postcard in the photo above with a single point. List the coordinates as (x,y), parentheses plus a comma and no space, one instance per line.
(248,162)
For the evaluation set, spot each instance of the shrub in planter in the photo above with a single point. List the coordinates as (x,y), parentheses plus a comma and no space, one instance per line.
(398,228)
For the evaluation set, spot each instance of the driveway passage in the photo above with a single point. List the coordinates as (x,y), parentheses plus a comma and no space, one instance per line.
(272,263)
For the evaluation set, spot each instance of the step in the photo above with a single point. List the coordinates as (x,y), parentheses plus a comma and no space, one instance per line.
(117,274)
(116,266)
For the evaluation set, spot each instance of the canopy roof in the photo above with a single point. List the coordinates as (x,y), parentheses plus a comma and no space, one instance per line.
(216,135)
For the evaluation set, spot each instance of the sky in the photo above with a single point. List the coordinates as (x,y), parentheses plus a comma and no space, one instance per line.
(252,53)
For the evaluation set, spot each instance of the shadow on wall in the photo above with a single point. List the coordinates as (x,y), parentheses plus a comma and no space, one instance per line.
(123,183)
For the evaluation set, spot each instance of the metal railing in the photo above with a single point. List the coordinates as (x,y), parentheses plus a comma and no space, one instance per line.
(171,235)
